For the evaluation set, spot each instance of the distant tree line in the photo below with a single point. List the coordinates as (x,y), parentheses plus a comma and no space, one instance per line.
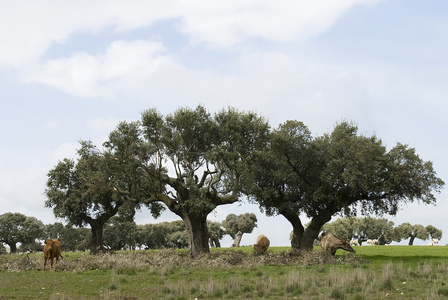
(192,161)
(119,233)
(383,230)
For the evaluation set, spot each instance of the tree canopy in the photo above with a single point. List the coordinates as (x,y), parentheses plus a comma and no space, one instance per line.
(407,230)
(162,235)
(99,184)
(18,228)
(336,173)
(363,229)
(245,223)
(383,230)
(191,161)
(120,233)
(199,162)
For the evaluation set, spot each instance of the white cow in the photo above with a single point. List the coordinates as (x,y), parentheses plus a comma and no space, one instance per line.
(430,244)
(369,242)
(435,241)
(376,242)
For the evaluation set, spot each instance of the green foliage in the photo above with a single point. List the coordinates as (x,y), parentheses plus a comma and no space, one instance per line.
(362,229)
(215,232)
(162,235)
(98,185)
(54,231)
(177,239)
(345,228)
(434,232)
(18,228)
(209,155)
(76,239)
(120,233)
(406,230)
(335,173)
(245,223)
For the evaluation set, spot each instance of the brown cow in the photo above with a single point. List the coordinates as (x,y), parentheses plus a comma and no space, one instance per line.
(330,242)
(262,244)
(52,250)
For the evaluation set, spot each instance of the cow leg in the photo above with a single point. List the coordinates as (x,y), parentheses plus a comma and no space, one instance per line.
(45,262)
(51,263)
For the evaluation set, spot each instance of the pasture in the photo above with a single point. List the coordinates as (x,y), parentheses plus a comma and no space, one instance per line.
(374,272)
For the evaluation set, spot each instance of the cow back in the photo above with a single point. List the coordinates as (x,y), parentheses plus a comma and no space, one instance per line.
(262,244)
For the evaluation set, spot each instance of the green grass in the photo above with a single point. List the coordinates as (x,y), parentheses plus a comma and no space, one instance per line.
(375,272)
(406,254)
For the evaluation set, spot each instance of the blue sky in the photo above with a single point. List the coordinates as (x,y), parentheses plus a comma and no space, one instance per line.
(71,70)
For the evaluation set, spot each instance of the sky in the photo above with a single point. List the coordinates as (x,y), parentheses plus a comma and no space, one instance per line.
(71,70)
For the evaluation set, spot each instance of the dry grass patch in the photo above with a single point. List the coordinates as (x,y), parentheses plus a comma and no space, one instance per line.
(128,262)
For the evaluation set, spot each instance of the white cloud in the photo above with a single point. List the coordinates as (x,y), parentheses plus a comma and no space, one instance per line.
(227,23)
(29,28)
(77,75)
(126,66)
(119,68)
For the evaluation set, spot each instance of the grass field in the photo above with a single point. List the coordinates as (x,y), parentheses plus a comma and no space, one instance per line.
(374,272)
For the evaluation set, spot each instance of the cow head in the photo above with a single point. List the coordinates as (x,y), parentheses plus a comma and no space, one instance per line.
(258,249)
(346,246)
(48,242)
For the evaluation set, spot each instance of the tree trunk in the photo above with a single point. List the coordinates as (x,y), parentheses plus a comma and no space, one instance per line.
(214,242)
(12,248)
(303,239)
(237,240)
(297,236)
(196,227)
(309,236)
(96,243)
(411,240)
(297,232)
(312,231)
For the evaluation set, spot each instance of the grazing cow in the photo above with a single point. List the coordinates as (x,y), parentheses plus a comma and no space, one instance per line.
(262,244)
(331,243)
(52,250)
(376,242)
(435,241)
(430,244)
(354,243)
(369,242)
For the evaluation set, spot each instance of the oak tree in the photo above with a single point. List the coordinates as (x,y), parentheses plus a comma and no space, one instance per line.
(336,173)
(199,163)
(407,230)
(99,184)
(244,223)
(18,228)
